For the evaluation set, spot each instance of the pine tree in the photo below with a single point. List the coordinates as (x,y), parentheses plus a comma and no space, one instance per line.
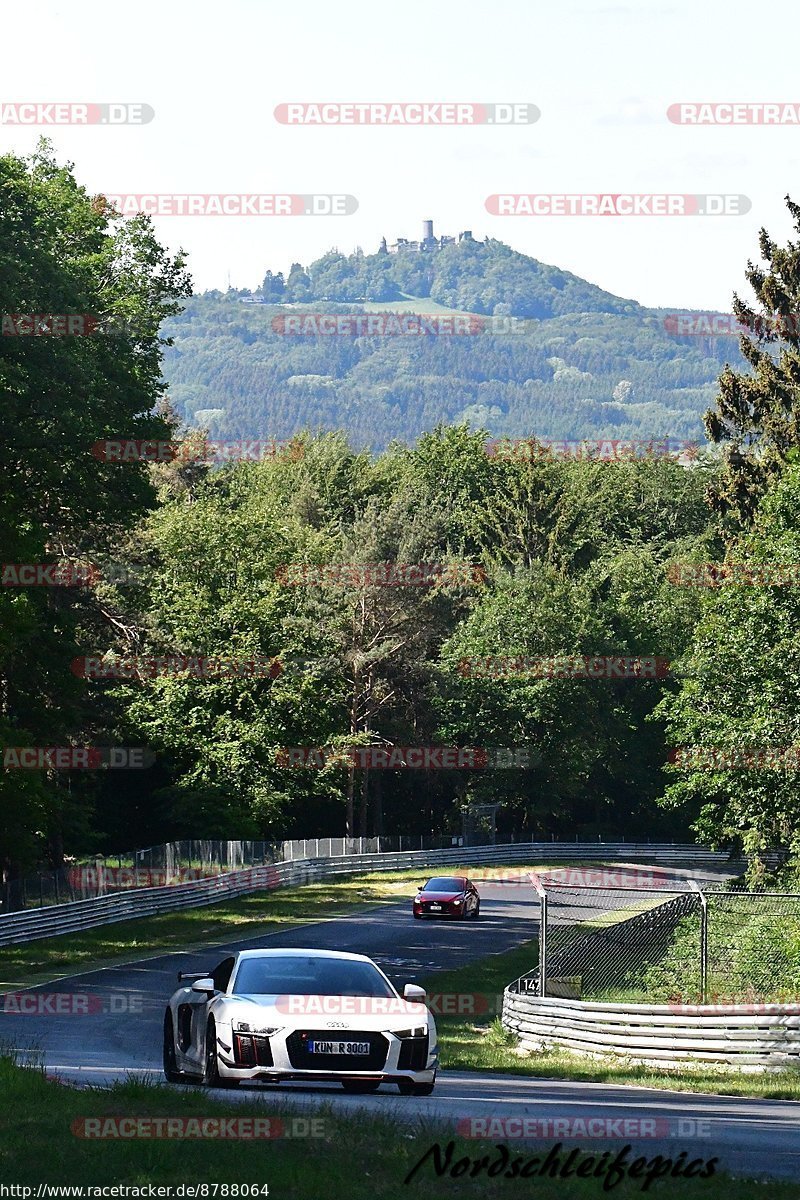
(757,414)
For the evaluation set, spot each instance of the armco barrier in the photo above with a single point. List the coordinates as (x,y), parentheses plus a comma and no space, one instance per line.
(32,924)
(751,1037)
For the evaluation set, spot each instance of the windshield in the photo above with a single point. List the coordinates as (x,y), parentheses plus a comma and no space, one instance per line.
(300,976)
(445,884)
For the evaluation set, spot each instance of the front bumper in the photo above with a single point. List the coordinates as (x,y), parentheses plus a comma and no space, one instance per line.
(280,1057)
(444,910)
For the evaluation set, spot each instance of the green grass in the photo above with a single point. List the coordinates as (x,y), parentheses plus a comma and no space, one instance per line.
(482,1044)
(353,1159)
(32,963)
(467,1043)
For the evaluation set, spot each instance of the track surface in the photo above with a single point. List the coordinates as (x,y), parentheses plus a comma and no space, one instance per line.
(121,1035)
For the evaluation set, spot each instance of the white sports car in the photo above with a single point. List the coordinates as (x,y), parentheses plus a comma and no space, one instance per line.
(271,1015)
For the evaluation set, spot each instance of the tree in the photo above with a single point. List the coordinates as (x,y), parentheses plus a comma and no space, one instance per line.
(740,683)
(62,252)
(757,414)
(298,285)
(273,287)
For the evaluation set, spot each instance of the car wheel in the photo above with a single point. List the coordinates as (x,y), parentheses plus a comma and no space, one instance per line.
(417,916)
(171,1072)
(212,1077)
(361,1085)
(477,912)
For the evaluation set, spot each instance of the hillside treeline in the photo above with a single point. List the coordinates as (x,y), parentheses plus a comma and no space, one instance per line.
(404,599)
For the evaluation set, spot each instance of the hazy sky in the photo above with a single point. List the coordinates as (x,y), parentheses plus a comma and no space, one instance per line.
(602,75)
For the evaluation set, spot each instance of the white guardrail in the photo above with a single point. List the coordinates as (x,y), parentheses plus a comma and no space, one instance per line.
(752,1037)
(32,924)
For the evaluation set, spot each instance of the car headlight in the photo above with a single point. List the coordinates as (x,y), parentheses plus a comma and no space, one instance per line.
(417,1031)
(246,1027)
(458,902)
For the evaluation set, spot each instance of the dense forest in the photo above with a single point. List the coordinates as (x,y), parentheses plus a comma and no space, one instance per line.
(282,566)
(575,363)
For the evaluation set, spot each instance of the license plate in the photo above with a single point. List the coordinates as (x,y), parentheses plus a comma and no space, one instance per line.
(338,1047)
(436,908)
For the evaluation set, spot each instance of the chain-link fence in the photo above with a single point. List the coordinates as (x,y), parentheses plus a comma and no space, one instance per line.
(666,945)
(180,862)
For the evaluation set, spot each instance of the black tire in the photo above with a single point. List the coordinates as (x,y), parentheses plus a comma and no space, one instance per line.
(417,916)
(361,1086)
(422,1089)
(212,1077)
(408,1088)
(477,912)
(171,1072)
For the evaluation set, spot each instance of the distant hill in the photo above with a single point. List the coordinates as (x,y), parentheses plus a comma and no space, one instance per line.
(582,362)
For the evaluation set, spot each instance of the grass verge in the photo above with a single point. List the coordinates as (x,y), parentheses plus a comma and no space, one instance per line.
(31,963)
(350,1158)
(482,1044)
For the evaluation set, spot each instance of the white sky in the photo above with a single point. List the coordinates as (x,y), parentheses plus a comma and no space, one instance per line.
(602,75)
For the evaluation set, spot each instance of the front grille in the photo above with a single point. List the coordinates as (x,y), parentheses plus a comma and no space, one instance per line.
(413,1054)
(301,1059)
(249,1051)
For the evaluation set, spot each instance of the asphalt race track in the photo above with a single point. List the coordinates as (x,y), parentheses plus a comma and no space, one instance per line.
(120,1035)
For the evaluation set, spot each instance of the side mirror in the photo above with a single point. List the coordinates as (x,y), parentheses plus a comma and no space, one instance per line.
(414,993)
(205,986)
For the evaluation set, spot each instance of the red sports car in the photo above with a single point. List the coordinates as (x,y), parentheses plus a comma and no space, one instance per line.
(447,896)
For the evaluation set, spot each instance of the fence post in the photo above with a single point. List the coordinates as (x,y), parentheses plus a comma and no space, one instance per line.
(542,894)
(703,941)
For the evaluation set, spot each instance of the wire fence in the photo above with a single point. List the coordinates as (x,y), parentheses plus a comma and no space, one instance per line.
(677,945)
(184,861)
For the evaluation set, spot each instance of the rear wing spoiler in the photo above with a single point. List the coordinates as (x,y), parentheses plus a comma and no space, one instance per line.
(192,975)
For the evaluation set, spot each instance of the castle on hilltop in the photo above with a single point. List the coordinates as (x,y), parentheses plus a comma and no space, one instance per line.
(427,241)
